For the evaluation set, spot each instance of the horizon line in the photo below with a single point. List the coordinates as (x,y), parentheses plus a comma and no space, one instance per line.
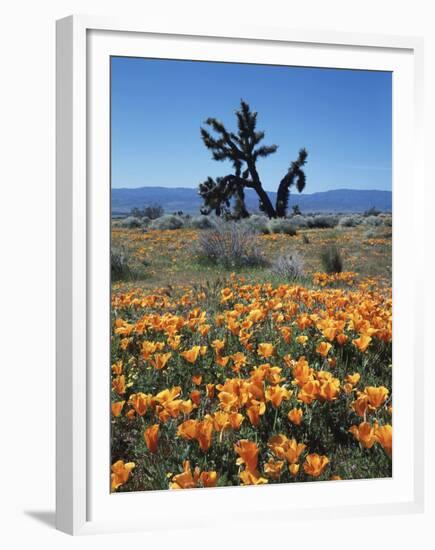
(267,190)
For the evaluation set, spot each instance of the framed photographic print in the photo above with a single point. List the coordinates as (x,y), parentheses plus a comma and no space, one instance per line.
(236,302)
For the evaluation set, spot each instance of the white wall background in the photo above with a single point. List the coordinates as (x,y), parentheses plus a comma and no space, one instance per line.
(27,121)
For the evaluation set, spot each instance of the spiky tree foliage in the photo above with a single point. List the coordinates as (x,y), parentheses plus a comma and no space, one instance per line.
(216,196)
(243,149)
(295,176)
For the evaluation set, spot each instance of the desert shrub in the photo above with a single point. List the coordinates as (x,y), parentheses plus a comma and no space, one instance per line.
(145,221)
(373,211)
(256,223)
(387,219)
(331,259)
(167,221)
(373,221)
(282,225)
(131,222)
(322,221)
(299,221)
(289,267)
(119,265)
(370,234)
(202,222)
(350,221)
(152,212)
(296,210)
(230,245)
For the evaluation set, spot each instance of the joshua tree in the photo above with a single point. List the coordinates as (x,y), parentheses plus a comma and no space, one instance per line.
(243,150)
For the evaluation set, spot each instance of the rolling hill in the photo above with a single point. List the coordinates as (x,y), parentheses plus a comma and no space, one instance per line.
(174,199)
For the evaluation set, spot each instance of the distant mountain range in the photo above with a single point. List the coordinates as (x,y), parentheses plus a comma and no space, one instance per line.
(174,199)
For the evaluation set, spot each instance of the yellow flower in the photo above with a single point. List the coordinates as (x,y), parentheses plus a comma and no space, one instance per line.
(315,464)
(295,416)
(120,473)
(301,339)
(151,436)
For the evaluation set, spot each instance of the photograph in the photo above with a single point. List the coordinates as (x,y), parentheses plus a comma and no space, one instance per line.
(251,274)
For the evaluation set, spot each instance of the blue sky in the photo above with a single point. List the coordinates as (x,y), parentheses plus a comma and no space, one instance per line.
(342,117)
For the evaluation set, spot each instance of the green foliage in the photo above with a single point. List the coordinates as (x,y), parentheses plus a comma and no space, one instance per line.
(120,269)
(131,222)
(167,221)
(152,212)
(282,225)
(331,259)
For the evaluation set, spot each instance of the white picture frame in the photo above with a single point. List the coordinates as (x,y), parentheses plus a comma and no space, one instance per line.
(83,501)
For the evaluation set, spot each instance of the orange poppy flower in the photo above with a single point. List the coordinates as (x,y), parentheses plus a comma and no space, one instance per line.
(118,384)
(121,473)
(159,360)
(384,436)
(276,395)
(139,402)
(295,416)
(248,454)
(315,464)
(294,469)
(249,477)
(117,407)
(191,355)
(364,433)
(265,350)
(195,396)
(323,348)
(376,395)
(363,342)
(197,379)
(151,436)
(273,468)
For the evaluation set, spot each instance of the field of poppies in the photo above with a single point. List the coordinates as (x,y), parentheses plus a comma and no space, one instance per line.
(225,379)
